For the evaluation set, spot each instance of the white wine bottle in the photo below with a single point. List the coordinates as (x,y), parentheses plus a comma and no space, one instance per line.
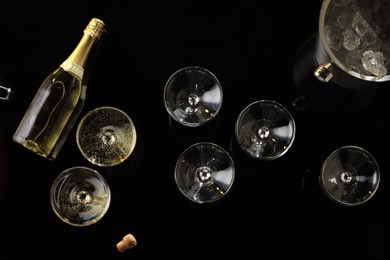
(59,100)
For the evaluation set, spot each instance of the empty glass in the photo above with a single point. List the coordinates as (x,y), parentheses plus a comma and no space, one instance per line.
(265,130)
(349,176)
(204,172)
(193,96)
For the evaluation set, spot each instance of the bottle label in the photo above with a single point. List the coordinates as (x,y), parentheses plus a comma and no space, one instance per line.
(68,65)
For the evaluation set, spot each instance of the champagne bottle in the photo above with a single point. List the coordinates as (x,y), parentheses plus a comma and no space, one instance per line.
(59,100)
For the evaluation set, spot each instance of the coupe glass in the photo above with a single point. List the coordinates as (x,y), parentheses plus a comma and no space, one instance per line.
(204,172)
(265,130)
(349,176)
(80,196)
(106,136)
(193,96)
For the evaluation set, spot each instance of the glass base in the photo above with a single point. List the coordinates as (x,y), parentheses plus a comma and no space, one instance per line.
(312,191)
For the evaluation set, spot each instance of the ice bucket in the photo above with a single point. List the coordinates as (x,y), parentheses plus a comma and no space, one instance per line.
(350,53)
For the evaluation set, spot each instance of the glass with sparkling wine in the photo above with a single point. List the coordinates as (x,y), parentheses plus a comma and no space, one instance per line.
(80,196)
(106,136)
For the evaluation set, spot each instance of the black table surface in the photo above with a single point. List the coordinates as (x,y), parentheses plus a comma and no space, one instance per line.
(273,209)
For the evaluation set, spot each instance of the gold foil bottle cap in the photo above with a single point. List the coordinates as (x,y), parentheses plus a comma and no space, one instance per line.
(95,27)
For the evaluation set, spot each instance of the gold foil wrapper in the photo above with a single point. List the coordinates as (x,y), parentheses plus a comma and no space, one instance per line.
(95,27)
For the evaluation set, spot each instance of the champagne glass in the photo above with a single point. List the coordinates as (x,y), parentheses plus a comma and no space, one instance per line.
(193,96)
(349,176)
(80,196)
(204,172)
(265,130)
(106,136)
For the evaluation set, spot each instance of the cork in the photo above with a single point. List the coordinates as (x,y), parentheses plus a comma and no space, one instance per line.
(128,242)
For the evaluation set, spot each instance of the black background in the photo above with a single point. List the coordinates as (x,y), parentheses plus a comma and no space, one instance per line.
(273,209)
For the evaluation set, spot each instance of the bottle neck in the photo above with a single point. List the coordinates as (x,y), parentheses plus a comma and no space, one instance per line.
(75,63)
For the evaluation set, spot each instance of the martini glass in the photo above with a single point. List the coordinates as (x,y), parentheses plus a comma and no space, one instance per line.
(204,172)
(80,196)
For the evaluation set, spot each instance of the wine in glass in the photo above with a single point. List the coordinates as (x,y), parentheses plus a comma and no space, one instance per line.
(349,176)
(265,130)
(80,196)
(204,172)
(106,136)
(193,96)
